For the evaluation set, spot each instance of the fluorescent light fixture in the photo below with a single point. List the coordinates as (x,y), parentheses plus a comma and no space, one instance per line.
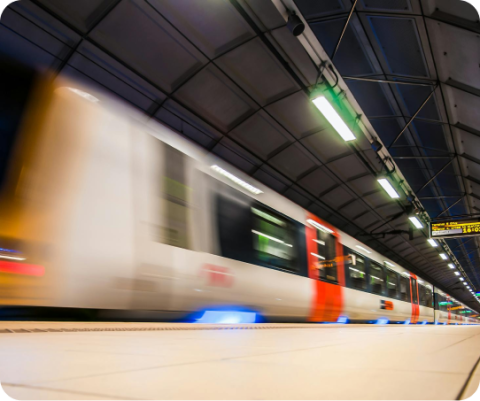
(334,118)
(457,273)
(387,186)
(432,242)
(363,249)
(237,180)
(319,226)
(319,242)
(461,279)
(451,266)
(416,222)
(388,263)
(11,257)
(317,256)
(420,281)
(443,256)
(85,95)
(271,238)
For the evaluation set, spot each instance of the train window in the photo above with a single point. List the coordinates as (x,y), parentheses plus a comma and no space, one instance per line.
(325,253)
(392,283)
(356,269)
(273,240)
(404,289)
(176,202)
(428,297)
(234,227)
(422,295)
(443,303)
(414,291)
(377,282)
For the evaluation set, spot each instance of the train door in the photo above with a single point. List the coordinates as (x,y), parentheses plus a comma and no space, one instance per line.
(326,267)
(415,306)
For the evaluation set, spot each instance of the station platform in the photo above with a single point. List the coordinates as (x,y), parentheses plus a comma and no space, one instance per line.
(81,361)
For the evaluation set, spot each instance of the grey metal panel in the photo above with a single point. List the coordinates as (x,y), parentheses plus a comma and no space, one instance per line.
(318,181)
(213,26)
(272,179)
(213,96)
(337,197)
(326,145)
(83,14)
(258,72)
(293,161)
(298,114)
(136,34)
(261,134)
(347,167)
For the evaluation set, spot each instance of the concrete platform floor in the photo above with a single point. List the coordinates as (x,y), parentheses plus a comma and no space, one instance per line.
(265,361)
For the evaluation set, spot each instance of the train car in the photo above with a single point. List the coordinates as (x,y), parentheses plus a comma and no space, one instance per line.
(450,311)
(105,209)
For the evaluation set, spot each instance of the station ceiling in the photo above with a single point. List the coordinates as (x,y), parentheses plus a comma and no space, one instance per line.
(230,76)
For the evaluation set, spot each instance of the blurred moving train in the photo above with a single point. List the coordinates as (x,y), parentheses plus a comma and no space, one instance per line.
(104,209)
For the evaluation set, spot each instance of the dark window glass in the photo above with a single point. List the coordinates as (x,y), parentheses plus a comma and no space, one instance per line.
(234,228)
(326,253)
(443,303)
(392,283)
(404,289)
(414,291)
(423,295)
(273,240)
(17,82)
(428,297)
(356,272)
(377,282)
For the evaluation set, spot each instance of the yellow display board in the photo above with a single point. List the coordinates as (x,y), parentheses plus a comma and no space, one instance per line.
(449,229)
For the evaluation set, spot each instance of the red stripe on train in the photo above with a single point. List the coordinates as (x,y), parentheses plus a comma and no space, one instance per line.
(22,268)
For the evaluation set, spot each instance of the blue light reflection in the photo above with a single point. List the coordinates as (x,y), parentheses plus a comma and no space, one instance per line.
(227,317)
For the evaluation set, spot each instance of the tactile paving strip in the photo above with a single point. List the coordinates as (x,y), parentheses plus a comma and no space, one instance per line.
(160,328)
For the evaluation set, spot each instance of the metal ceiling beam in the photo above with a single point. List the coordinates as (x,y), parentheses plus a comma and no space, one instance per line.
(435,176)
(466,128)
(413,117)
(437,197)
(344,30)
(470,158)
(460,86)
(384,81)
(450,82)
(452,205)
(423,157)
(437,16)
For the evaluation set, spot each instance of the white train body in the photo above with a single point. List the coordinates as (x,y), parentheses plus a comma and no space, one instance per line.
(134,217)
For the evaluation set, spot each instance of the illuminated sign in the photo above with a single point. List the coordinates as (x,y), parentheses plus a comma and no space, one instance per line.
(450,229)
(457,307)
